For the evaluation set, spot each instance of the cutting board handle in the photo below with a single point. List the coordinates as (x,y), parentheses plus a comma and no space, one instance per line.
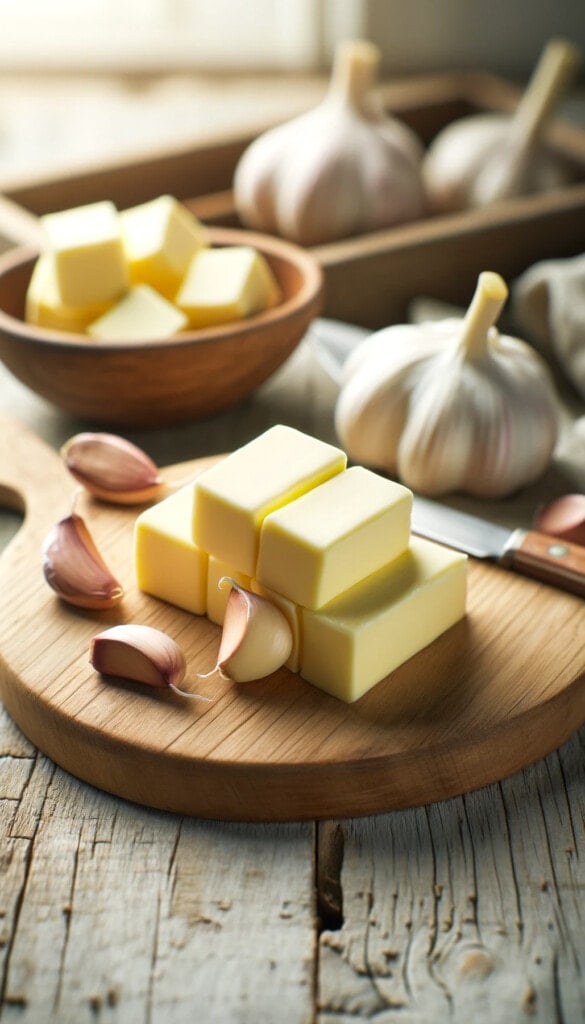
(33,477)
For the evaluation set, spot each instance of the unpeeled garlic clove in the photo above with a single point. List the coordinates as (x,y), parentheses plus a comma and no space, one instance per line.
(256,638)
(112,468)
(75,569)
(141,654)
(564,518)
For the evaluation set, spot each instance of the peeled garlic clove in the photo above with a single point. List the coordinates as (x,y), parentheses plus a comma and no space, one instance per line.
(74,568)
(112,468)
(564,517)
(256,638)
(140,653)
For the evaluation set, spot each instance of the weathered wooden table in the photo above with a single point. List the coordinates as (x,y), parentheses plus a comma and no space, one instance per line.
(470,910)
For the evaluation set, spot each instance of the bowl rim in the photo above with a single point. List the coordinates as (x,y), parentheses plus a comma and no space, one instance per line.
(310,291)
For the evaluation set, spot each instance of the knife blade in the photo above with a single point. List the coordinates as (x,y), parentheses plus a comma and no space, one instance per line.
(534,554)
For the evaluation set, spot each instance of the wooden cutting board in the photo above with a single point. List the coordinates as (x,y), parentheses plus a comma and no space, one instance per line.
(496,692)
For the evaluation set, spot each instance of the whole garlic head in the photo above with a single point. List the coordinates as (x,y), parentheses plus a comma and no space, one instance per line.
(341,169)
(451,405)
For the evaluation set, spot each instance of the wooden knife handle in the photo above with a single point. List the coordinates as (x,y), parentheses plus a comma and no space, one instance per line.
(549,559)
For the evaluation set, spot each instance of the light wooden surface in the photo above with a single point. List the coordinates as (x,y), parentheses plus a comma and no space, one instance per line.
(469,910)
(480,703)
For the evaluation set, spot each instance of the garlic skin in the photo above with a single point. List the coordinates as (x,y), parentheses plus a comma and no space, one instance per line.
(451,405)
(256,639)
(343,168)
(74,568)
(485,158)
(112,468)
(140,653)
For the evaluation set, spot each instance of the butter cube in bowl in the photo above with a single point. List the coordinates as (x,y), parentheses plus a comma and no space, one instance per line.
(122,350)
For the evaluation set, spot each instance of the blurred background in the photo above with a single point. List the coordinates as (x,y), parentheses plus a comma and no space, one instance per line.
(90,81)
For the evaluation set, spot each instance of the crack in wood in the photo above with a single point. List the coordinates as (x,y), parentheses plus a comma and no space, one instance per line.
(328,864)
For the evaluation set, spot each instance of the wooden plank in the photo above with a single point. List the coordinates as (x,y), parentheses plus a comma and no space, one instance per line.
(108,909)
(467,910)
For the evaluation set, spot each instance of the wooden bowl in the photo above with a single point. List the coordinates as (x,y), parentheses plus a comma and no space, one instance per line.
(157,383)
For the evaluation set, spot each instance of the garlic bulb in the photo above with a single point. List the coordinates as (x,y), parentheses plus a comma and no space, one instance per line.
(451,405)
(487,157)
(341,169)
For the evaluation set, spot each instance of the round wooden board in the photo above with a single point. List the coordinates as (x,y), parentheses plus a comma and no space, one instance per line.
(499,690)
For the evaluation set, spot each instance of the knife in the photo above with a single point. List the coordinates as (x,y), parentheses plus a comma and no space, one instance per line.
(529,552)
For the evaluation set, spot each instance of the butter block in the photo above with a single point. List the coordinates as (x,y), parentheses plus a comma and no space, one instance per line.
(292,614)
(217,597)
(226,284)
(45,307)
(168,564)
(359,638)
(140,314)
(86,243)
(160,238)
(316,547)
(232,499)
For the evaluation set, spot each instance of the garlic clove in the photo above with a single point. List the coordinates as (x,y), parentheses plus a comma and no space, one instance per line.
(140,653)
(112,468)
(564,517)
(256,640)
(74,568)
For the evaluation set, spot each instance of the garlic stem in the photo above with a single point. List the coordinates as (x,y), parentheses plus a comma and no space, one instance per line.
(355,71)
(490,295)
(551,76)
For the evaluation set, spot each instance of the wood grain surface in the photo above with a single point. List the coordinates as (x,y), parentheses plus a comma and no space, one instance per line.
(498,691)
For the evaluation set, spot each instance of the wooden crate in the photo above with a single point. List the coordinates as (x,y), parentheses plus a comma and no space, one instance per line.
(371,279)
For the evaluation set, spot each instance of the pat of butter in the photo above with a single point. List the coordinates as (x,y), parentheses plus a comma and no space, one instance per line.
(318,546)
(160,238)
(45,307)
(226,284)
(358,639)
(86,243)
(142,314)
(217,597)
(235,495)
(168,564)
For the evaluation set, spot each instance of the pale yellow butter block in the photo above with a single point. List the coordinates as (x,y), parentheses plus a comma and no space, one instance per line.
(140,314)
(217,597)
(45,307)
(168,564)
(226,284)
(86,244)
(358,639)
(160,239)
(292,614)
(236,494)
(318,546)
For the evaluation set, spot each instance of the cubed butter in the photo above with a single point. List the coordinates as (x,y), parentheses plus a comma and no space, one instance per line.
(235,495)
(225,284)
(315,548)
(160,239)
(86,243)
(45,307)
(359,638)
(140,314)
(292,614)
(217,597)
(168,564)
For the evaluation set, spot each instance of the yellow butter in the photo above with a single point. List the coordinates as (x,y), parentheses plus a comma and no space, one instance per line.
(292,614)
(359,638)
(45,307)
(140,314)
(160,239)
(226,284)
(316,547)
(168,564)
(86,244)
(217,597)
(232,498)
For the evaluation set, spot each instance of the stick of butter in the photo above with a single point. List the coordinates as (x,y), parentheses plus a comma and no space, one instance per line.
(168,564)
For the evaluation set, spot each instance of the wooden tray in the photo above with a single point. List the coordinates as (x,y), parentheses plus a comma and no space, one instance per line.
(496,692)
(371,279)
